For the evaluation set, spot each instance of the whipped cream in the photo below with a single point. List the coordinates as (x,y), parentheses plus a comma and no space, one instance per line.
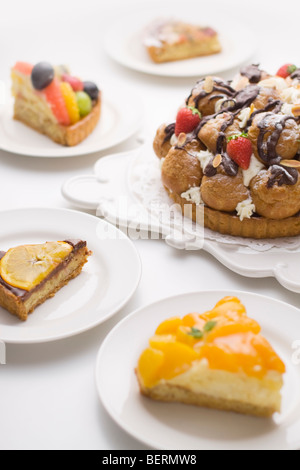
(193,195)
(291,95)
(245,209)
(244,117)
(287,109)
(254,168)
(274,82)
(204,157)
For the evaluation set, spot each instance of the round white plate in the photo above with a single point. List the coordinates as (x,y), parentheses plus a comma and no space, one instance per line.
(124,42)
(181,427)
(117,123)
(106,284)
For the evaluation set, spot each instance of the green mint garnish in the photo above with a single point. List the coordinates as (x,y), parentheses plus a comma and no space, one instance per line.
(291,69)
(195,333)
(198,334)
(209,326)
(195,111)
(235,137)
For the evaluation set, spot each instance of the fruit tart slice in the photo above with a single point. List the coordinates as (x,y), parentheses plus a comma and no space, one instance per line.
(171,40)
(55,103)
(30,274)
(218,360)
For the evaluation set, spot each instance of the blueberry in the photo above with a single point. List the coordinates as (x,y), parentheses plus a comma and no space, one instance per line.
(42,75)
(91,89)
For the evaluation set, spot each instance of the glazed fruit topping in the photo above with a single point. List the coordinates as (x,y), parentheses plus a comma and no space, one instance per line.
(23,67)
(26,266)
(42,75)
(71,102)
(75,82)
(57,103)
(286,70)
(91,89)
(239,149)
(84,103)
(187,120)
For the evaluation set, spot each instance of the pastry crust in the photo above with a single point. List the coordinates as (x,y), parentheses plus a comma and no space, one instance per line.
(230,224)
(65,135)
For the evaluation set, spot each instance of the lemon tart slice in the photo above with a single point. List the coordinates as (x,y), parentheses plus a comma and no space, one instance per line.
(30,274)
(218,360)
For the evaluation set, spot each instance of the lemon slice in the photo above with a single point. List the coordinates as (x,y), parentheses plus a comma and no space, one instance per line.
(26,266)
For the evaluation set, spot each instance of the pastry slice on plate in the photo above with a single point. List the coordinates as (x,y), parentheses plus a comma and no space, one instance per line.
(53,102)
(172,40)
(31,274)
(218,359)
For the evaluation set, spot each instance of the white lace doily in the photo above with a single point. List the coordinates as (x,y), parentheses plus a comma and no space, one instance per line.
(146,186)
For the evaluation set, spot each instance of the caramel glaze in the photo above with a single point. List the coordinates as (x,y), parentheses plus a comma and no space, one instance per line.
(237,101)
(23,294)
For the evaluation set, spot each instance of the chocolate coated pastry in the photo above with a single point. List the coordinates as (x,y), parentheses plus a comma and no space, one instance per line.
(275,200)
(205,101)
(181,171)
(274,137)
(161,142)
(222,192)
(214,133)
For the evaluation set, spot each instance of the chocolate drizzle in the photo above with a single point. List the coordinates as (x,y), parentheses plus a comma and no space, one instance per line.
(169,131)
(296,74)
(282,175)
(267,150)
(252,72)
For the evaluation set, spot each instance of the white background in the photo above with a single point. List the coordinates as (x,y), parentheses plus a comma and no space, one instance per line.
(47,392)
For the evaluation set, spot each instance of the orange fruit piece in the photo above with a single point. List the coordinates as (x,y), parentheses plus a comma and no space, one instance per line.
(71,102)
(57,103)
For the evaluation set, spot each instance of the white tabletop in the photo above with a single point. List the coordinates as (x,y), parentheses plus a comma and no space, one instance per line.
(48,394)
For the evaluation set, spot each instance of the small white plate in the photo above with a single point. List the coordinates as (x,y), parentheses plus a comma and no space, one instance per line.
(182,427)
(106,284)
(124,42)
(117,123)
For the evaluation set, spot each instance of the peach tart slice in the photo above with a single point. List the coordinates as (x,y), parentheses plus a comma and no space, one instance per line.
(218,359)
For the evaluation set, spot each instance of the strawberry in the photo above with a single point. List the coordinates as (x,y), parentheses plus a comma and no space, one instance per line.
(239,149)
(286,70)
(187,120)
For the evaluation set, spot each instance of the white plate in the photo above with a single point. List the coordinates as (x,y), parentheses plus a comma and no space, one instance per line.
(106,284)
(114,196)
(124,41)
(116,125)
(182,427)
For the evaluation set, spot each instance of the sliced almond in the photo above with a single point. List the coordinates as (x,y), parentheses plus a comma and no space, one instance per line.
(181,139)
(290,163)
(252,108)
(217,161)
(296,110)
(208,85)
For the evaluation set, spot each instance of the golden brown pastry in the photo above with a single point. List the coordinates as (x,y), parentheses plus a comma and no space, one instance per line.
(272,198)
(240,157)
(222,192)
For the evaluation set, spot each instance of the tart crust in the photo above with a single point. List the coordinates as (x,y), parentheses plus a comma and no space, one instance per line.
(65,135)
(230,224)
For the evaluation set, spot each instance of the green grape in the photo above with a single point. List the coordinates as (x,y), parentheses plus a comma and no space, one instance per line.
(84,103)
